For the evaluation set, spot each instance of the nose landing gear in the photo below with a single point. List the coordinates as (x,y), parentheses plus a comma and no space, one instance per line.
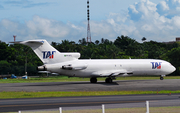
(162,77)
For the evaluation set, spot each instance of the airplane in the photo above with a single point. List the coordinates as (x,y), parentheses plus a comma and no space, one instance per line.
(69,64)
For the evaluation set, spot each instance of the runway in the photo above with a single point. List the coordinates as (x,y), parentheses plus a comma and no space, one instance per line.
(7,105)
(14,105)
(122,85)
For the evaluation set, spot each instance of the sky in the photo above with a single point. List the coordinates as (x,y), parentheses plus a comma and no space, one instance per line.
(57,20)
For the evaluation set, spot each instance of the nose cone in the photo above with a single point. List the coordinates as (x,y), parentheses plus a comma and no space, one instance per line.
(173,68)
(170,68)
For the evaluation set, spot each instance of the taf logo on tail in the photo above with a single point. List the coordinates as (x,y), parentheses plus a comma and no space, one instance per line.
(156,65)
(48,54)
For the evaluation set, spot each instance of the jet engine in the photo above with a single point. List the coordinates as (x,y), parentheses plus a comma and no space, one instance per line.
(41,68)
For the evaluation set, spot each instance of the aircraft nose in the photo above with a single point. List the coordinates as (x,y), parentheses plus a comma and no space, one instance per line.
(173,68)
(169,68)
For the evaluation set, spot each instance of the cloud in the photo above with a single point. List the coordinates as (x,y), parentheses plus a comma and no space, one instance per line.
(48,28)
(25,3)
(54,30)
(9,28)
(102,30)
(141,9)
(155,21)
(169,8)
(35,4)
(158,22)
(40,28)
(162,7)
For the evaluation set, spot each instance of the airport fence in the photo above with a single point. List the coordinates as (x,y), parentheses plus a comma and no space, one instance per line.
(139,107)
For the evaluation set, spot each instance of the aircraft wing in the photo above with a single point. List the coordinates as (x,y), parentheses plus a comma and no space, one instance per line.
(113,73)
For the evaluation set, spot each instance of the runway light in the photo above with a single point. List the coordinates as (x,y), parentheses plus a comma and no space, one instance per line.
(170,93)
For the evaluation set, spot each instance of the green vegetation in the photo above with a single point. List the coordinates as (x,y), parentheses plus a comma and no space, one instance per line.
(22,94)
(13,57)
(66,79)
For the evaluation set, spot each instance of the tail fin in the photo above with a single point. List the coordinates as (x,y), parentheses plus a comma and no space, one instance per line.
(47,53)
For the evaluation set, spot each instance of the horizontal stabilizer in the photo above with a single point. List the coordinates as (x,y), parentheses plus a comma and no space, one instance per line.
(17,42)
(30,41)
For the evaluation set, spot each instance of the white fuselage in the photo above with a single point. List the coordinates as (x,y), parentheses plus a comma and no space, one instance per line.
(113,67)
(69,64)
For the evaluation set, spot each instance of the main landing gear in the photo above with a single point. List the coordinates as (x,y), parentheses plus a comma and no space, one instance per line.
(109,80)
(93,80)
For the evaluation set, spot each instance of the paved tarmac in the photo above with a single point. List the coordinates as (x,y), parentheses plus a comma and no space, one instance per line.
(122,85)
(66,102)
(123,101)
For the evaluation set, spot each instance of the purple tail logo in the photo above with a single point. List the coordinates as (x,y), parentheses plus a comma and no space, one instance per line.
(48,54)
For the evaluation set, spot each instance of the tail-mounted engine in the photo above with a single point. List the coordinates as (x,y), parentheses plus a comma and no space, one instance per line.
(41,68)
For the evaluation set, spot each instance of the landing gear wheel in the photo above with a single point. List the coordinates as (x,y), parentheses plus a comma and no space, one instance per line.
(93,80)
(161,78)
(108,80)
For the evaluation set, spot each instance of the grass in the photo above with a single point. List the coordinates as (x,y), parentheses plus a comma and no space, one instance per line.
(22,94)
(66,79)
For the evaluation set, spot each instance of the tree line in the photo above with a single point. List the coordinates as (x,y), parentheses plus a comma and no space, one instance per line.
(14,56)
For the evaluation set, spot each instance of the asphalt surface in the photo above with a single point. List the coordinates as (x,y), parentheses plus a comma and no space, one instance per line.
(141,85)
(7,105)
(14,105)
